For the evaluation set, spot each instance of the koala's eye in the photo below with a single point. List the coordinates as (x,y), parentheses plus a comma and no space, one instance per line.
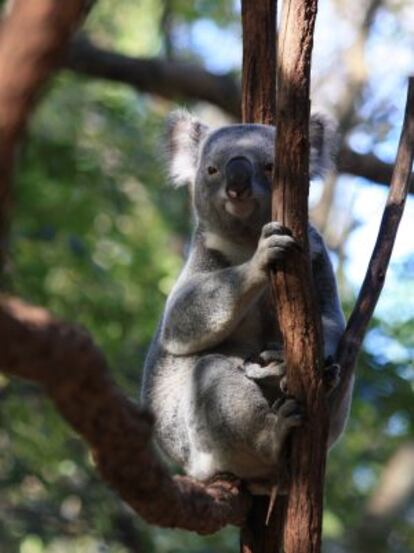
(211,170)
(269,168)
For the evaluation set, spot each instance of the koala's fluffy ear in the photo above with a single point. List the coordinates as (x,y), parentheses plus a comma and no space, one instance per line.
(183,137)
(323,144)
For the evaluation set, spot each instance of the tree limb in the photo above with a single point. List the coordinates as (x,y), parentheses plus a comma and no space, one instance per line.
(377,268)
(166,78)
(184,80)
(368,166)
(66,362)
(33,37)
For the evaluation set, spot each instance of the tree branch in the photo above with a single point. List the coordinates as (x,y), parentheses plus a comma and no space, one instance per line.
(183,80)
(66,362)
(368,166)
(33,36)
(166,78)
(377,268)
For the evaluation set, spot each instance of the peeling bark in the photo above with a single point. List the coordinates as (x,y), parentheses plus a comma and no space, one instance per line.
(297,308)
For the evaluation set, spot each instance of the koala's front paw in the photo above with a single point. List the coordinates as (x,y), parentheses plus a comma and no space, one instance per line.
(275,243)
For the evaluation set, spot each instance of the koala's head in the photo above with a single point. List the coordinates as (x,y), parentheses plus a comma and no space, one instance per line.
(229,170)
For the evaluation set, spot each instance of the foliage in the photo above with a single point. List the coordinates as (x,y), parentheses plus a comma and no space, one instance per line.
(98,238)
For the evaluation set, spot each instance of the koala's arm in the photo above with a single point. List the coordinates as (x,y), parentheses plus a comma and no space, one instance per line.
(333,322)
(207,306)
(205,309)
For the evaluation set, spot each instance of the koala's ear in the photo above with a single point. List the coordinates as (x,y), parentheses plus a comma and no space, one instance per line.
(184,134)
(323,144)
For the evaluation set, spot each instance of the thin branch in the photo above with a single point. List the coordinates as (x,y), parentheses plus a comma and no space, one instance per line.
(65,361)
(377,268)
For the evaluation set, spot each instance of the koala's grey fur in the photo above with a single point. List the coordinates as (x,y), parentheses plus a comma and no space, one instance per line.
(213,373)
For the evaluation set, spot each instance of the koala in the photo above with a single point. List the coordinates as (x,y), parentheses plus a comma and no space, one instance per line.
(214,376)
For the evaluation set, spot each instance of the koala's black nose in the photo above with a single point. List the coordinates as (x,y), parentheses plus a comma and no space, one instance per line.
(239,172)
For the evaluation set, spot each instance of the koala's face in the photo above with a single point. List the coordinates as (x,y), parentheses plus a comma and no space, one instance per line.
(229,172)
(232,183)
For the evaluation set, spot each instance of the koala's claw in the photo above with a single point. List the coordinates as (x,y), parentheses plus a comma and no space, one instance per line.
(275,243)
(275,228)
(224,485)
(272,355)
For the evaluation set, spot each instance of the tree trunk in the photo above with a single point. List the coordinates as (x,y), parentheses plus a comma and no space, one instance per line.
(295,302)
(296,305)
(259,60)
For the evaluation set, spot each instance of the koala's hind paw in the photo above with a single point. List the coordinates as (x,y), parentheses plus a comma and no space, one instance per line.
(269,369)
(289,411)
(272,355)
(223,485)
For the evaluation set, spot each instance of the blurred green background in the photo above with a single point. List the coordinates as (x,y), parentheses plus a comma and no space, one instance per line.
(98,238)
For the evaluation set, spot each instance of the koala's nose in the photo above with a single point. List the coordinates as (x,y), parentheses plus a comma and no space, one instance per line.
(239,172)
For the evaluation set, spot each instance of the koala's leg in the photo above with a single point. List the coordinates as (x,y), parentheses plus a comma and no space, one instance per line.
(232,427)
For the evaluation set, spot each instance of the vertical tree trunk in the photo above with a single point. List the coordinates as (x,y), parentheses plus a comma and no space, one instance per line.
(296,306)
(258,106)
(300,513)
(259,61)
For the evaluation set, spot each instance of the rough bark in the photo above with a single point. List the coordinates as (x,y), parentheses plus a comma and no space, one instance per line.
(73,371)
(297,310)
(259,58)
(33,37)
(259,106)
